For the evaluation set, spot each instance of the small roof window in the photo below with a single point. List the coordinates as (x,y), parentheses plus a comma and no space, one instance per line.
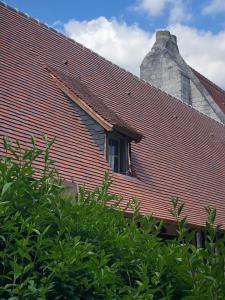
(118,153)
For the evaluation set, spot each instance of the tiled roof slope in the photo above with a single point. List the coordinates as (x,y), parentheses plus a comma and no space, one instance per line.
(215,91)
(79,89)
(182,152)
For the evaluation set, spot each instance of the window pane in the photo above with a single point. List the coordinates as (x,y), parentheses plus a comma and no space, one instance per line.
(114,147)
(118,153)
(114,154)
(116,164)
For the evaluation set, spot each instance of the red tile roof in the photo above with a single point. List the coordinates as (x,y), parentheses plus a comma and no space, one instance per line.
(182,152)
(81,91)
(214,90)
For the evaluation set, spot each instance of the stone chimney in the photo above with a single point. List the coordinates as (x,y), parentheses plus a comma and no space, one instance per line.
(164,67)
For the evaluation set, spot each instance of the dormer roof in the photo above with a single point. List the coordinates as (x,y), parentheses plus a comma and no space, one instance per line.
(93,105)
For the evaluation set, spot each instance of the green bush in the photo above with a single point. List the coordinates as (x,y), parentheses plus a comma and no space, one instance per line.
(57,247)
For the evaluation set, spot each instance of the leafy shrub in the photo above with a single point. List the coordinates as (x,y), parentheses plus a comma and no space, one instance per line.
(58,247)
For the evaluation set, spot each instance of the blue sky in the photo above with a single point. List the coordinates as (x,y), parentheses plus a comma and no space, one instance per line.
(123,30)
(50,11)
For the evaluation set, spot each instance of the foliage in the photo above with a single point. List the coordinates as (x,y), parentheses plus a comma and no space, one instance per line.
(57,247)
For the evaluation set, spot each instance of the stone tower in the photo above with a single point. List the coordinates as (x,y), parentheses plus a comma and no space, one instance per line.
(165,68)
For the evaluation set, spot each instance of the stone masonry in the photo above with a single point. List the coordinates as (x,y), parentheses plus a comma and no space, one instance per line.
(165,68)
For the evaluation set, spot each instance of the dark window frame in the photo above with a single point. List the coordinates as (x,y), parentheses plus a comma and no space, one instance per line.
(124,152)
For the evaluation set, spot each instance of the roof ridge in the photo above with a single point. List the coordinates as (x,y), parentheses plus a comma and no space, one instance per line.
(47,26)
(27,16)
(211,82)
(190,106)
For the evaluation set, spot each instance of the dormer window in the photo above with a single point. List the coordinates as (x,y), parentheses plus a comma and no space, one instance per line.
(118,153)
(109,131)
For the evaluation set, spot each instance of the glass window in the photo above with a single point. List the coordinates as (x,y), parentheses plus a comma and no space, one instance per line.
(118,153)
(114,154)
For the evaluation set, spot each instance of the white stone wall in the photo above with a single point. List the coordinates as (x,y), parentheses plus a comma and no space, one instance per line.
(200,103)
(164,68)
(96,130)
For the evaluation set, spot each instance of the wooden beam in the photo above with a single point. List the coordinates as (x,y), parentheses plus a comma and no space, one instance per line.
(91,112)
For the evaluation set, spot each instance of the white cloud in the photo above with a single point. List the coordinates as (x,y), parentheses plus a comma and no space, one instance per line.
(176,9)
(215,6)
(126,45)
(178,13)
(152,7)
(122,44)
(202,50)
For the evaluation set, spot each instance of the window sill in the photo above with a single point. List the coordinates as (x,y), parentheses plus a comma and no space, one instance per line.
(126,177)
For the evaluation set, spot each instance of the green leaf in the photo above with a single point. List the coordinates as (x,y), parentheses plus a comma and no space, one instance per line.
(5,188)
(36,231)
(28,267)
